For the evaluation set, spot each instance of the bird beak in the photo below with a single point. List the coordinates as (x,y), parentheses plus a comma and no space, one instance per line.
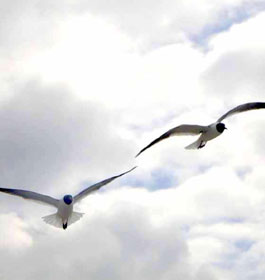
(225,127)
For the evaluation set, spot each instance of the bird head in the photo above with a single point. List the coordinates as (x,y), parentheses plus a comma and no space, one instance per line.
(68,199)
(220,127)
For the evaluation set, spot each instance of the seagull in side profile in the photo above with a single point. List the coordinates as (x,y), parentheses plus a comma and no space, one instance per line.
(65,215)
(207,133)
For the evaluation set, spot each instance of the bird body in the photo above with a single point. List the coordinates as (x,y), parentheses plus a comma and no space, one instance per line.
(65,215)
(65,210)
(207,133)
(212,131)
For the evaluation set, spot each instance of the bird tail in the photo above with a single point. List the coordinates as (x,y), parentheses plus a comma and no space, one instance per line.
(75,217)
(53,220)
(198,144)
(56,221)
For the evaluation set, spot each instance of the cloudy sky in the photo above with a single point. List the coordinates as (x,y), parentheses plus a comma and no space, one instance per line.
(84,86)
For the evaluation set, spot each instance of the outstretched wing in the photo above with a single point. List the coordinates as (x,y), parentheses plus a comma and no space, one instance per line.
(32,196)
(184,129)
(243,108)
(97,186)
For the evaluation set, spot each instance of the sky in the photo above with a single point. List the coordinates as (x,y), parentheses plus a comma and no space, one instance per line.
(84,86)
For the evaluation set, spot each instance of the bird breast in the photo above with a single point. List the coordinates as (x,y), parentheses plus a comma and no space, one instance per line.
(211,133)
(64,210)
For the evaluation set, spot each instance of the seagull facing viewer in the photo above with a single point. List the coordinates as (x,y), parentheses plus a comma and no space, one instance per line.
(65,215)
(207,133)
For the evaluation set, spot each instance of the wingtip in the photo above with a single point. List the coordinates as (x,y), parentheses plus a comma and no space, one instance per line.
(141,151)
(132,168)
(127,171)
(137,155)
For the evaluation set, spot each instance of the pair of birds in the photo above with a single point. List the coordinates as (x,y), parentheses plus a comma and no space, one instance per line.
(65,215)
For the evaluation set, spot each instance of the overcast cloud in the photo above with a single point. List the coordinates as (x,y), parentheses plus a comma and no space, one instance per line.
(84,86)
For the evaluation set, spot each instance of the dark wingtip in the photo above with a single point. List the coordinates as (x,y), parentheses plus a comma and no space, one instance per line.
(139,153)
(259,105)
(129,170)
(162,137)
(144,149)
(125,172)
(5,190)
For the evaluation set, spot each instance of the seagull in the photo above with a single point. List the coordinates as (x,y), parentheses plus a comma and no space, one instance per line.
(65,216)
(207,133)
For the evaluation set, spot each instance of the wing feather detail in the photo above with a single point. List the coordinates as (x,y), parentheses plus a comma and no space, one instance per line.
(243,108)
(31,196)
(97,186)
(184,129)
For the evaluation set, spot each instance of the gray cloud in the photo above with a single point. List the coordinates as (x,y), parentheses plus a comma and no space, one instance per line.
(122,244)
(235,73)
(48,137)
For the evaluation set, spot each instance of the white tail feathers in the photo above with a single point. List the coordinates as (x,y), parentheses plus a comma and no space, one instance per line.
(196,145)
(75,217)
(53,220)
(56,221)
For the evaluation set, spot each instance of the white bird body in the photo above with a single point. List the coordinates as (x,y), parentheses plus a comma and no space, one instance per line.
(65,215)
(210,133)
(64,211)
(207,133)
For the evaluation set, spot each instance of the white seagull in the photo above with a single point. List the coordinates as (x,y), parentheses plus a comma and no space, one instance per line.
(65,215)
(207,133)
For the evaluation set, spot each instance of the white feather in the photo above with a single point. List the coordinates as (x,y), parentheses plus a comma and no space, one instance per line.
(53,220)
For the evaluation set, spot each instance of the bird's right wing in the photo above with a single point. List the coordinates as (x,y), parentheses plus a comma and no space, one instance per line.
(243,108)
(32,196)
(184,129)
(97,186)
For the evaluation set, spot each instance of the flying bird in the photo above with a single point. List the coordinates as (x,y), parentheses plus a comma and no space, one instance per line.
(65,215)
(207,133)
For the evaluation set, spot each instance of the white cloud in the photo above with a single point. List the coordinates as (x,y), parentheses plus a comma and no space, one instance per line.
(14,236)
(153,24)
(140,234)
(102,243)
(236,62)
(78,100)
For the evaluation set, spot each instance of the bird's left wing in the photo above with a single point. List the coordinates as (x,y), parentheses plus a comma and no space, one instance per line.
(32,196)
(97,186)
(184,129)
(243,108)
